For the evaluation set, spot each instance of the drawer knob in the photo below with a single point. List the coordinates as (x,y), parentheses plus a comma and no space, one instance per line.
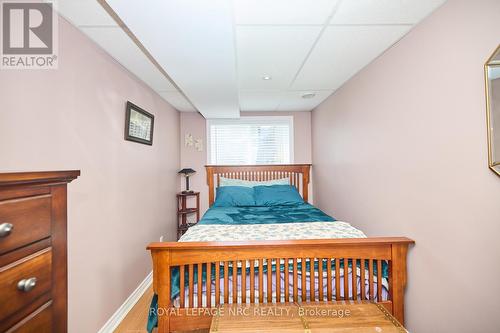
(26,284)
(6,229)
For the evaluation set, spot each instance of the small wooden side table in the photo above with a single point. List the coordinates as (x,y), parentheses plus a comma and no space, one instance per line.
(183,211)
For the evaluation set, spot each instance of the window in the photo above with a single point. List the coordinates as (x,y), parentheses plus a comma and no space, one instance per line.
(250,140)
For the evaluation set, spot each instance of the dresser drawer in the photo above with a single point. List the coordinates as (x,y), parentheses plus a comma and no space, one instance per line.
(28,219)
(25,280)
(40,321)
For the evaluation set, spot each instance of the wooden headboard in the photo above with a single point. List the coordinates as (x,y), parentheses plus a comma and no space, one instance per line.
(297,173)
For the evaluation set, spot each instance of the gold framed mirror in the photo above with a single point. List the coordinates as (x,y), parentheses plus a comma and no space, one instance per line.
(492,78)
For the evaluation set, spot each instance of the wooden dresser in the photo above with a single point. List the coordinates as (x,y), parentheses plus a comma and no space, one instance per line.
(33,251)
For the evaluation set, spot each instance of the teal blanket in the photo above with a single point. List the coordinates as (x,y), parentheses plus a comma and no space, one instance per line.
(264,215)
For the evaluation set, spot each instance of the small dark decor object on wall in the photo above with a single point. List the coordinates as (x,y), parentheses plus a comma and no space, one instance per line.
(139,125)
(187,172)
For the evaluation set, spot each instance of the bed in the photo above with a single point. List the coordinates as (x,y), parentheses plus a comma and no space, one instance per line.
(279,253)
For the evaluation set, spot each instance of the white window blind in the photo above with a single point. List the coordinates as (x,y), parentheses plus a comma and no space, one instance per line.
(250,140)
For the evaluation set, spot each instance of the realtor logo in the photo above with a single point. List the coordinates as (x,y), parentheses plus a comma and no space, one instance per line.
(28,35)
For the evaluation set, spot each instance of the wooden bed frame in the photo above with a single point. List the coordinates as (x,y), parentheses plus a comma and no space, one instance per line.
(191,256)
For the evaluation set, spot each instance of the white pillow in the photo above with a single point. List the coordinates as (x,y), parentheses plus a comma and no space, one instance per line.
(251,183)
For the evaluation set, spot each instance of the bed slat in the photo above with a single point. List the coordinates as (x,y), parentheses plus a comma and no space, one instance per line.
(370,272)
(235,282)
(244,281)
(278,280)
(346,279)
(269,281)
(337,279)
(303,278)
(354,280)
(295,281)
(226,282)
(191,286)
(329,279)
(286,274)
(252,281)
(362,279)
(379,280)
(217,283)
(199,294)
(182,293)
(261,281)
(320,279)
(311,279)
(209,285)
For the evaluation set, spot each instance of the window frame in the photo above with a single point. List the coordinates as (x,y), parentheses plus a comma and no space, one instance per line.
(263,119)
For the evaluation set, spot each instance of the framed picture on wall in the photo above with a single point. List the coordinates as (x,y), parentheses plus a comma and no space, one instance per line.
(139,125)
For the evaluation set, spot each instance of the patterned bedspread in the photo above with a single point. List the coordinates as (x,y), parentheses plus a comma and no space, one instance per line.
(308,230)
(302,221)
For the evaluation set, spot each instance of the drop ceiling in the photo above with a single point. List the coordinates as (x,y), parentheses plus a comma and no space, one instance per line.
(213,56)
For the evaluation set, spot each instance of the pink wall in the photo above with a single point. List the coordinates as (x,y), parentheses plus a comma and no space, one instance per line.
(73,118)
(407,155)
(195,124)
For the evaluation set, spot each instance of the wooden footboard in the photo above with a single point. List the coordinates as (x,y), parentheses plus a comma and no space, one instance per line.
(187,258)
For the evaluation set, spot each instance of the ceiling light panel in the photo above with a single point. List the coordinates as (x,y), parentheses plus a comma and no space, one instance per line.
(384,11)
(283,11)
(118,44)
(293,101)
(308,95)
(193,40)
(276,51)
(342,51)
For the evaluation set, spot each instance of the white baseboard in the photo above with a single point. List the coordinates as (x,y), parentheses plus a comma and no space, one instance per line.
(129,303)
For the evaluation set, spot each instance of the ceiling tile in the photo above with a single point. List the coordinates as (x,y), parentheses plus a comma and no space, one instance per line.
(260,100)
(118,44)
(342,51)
(283,11)
(384,11)
(293,101)
(277,51)
(193,40)
(177,100)
(84,12)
